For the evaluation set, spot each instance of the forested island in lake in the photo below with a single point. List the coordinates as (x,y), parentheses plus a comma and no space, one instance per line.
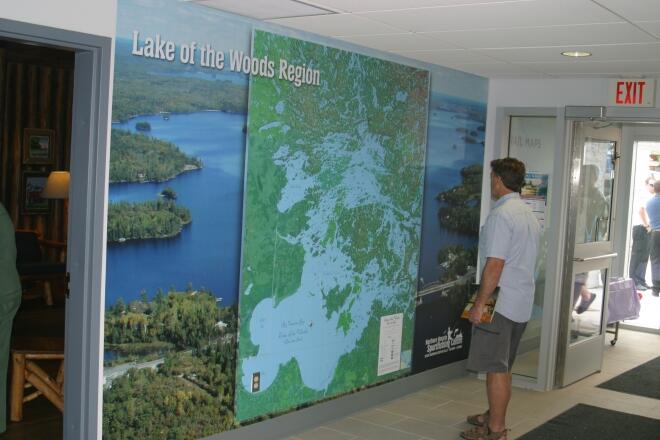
(140,158)
(161,218)
(190,391)
(461,212)
(143,126)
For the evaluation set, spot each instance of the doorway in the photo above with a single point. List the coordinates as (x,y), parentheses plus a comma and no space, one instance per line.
(595,148)
(565,345)
(84,232)
(645,171)
(36,109)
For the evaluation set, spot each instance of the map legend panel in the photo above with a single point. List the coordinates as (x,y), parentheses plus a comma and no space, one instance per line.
(389,348)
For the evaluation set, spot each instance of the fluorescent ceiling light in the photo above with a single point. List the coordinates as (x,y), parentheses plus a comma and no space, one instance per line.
(576,54)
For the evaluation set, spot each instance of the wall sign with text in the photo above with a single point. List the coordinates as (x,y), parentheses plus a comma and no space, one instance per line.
(632,92)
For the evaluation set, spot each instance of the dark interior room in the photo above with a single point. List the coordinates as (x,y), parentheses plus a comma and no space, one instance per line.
(36,90)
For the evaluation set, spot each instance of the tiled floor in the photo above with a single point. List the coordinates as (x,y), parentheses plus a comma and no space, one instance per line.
(439,412)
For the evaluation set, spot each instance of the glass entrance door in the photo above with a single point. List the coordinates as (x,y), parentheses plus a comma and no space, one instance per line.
(589,249)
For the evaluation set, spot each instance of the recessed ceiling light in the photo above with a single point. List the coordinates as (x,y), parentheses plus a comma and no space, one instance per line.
(576,54)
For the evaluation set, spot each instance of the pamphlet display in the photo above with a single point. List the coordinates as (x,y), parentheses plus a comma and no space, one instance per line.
(535,195)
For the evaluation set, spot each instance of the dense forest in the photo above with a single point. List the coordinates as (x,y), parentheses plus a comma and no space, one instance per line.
(191,391)
(141,158)
(461,212)
(160,218)
(140,93)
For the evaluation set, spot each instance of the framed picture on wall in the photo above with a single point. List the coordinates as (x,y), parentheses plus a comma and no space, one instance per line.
(38,146)
(32,184)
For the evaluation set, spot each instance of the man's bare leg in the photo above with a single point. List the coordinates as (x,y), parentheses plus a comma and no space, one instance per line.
(498,386)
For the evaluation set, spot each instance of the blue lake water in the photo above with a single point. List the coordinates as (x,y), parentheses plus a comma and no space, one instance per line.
(447,153)
(207,252)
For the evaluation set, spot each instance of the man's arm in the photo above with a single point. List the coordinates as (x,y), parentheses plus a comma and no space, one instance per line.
(490,278)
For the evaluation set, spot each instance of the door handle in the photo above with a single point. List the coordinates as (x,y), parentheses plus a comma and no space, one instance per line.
(598,257)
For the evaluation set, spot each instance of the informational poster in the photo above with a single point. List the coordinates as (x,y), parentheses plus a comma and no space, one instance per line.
(450,226)
(535,195)
(174,221)
(441,336)
(332,219)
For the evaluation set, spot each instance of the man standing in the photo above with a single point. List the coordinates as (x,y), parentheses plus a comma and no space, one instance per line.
(639,255)
(652,222)
(10,299)
(508,246)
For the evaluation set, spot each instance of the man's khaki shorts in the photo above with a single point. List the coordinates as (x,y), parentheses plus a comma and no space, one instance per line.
(494,345)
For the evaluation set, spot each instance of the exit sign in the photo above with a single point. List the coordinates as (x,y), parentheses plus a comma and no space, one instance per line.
(632,92)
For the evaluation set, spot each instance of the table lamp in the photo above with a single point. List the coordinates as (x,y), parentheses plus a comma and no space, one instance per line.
(57,186)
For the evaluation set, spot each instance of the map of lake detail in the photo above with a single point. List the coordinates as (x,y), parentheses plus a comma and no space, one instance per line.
(331,228)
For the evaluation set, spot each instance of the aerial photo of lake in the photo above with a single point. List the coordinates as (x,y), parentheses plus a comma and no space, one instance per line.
(207,252)
(455,140)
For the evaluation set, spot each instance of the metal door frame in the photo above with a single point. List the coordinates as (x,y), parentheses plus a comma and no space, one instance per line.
(559,213)
(555,220)
(598,250)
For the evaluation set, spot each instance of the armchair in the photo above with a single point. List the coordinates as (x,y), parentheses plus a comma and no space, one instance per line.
(34,265)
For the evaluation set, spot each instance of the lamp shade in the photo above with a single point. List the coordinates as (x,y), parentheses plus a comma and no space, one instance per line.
(57,186)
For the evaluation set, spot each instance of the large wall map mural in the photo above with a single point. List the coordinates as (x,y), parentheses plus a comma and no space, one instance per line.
(332,222)
(298,196)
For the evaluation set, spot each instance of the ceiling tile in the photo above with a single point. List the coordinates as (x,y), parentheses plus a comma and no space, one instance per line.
(444,57)
(496,69)
(264,9)
(652,27)
(497,15)
(546,36)
(399,42)
(614,52)
(337,24)
(390,5)
(633,10)
(641,67)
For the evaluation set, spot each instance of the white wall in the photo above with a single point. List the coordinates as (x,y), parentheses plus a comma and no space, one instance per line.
(97,17)
(544,93)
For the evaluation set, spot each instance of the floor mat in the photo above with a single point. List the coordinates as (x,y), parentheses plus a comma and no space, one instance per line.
(586,422)
(643,380)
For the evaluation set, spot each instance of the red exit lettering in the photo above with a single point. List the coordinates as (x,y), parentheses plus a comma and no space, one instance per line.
(630,92)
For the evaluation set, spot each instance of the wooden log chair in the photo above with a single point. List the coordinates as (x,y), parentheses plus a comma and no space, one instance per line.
(39,262)
(27,374)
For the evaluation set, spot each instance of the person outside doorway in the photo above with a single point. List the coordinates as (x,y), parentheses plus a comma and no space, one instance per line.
(653,214)
(639,256)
